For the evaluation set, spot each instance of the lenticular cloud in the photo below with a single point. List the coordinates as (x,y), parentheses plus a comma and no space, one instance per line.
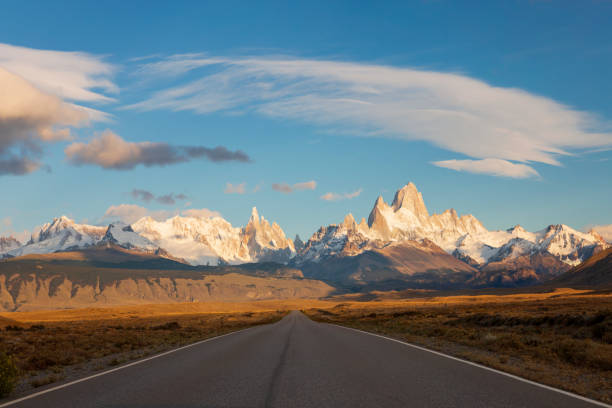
(507,127)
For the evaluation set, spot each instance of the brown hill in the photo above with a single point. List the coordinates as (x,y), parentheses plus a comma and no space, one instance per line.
(409,264)
(112,276)
(594,272)
(524,270)
(105,254)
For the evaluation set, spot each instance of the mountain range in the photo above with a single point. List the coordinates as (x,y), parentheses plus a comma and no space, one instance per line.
(399,245)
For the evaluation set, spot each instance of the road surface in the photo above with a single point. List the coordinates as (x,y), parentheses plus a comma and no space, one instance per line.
(299,363)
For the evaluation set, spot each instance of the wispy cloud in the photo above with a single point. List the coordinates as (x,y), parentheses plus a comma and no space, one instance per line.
(341,196)
(75,76)
(38,88)
(108,150)
(147,197)
(452,111)
(235,188)
(495,167)
(287,188)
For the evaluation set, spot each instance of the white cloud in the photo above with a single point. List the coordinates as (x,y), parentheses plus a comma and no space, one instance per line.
(604,230)
(452,111)
(75,76)
(495,167)
(201,213)
(235,189)
(287,188)
(341,196)
(130,213)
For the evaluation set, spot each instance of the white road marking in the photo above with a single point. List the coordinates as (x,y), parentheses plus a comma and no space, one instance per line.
(570,394)
(59,387)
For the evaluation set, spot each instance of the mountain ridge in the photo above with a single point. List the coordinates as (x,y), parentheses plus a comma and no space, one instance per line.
(524,256)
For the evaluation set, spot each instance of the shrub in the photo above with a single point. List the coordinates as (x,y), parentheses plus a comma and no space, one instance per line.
(571,351)
(8,375)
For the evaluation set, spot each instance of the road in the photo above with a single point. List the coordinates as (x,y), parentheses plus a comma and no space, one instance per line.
(299,363)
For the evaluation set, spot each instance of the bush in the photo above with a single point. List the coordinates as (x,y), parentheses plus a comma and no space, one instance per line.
(8,375)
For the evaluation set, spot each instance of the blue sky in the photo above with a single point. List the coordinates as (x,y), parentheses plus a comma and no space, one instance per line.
(357,97)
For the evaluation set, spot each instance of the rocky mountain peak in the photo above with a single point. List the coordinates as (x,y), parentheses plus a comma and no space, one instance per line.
(8,243)
(410,199)
(298,243)
(377,221)
(254,216)
(349,222)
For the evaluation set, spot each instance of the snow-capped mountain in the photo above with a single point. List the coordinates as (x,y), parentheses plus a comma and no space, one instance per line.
(464,237)
(121,234)
(197,240)
(201,240)
(400,241)
(8,244)
(60,235)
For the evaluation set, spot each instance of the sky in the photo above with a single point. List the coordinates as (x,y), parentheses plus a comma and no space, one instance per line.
(306,110)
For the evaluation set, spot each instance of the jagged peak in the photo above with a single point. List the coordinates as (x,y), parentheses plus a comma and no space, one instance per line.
(349,221)
(254,216)
(62,220)
(516,228)
(452,212)
(409,198)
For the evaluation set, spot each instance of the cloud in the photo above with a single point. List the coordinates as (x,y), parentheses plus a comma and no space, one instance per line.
(6,229)
(452,111)
(218,154)
(130,213)
(341,196)
(75,76)
(495,167)
(286,188)
(29,118)
(604,230)
(167,199)
(201,213)
(235,189)
(147,196)
(34,109)
(108,150)
(142,195)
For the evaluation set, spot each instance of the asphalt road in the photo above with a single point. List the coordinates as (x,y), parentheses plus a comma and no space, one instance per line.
(299,363)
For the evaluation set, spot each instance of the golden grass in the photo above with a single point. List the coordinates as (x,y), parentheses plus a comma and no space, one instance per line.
(159,310)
